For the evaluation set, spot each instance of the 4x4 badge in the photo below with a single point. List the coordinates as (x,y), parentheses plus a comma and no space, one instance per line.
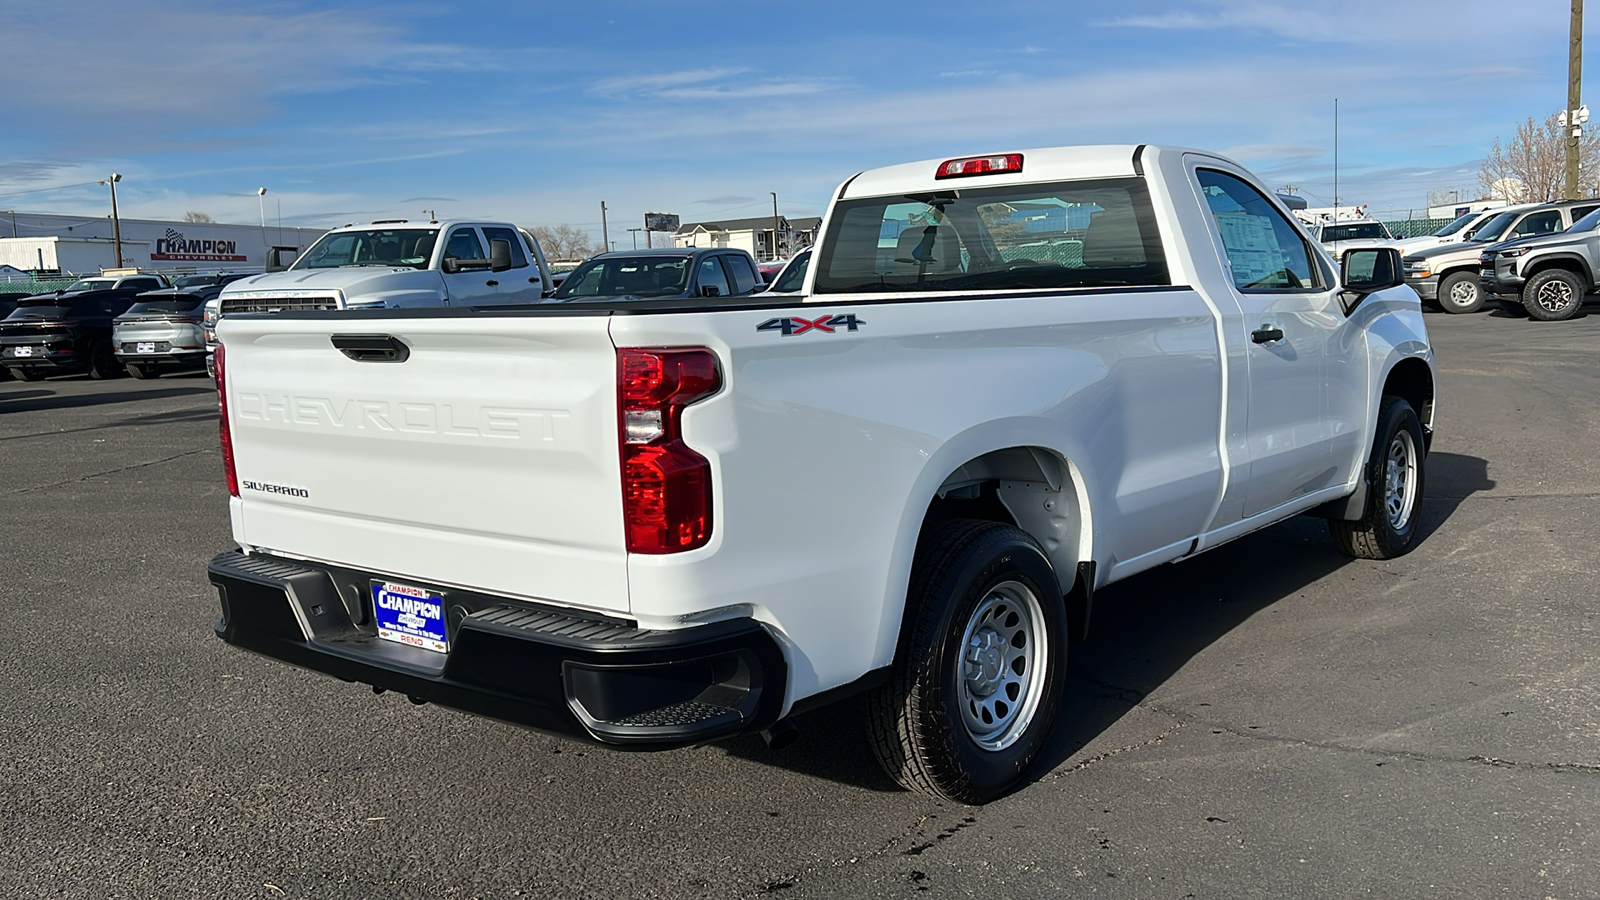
(792,325)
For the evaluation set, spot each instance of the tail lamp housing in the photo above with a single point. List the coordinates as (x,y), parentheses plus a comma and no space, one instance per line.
(666,485)
(223,430)
(967,166)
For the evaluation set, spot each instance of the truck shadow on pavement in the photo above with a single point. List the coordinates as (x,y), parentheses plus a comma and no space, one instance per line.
(1144,629)
(33,401)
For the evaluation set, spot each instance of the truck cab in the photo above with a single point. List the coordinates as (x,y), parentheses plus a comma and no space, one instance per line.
(397,264)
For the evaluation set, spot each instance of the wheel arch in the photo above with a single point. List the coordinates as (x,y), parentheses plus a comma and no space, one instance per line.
(1024,483)
(1569,261)
(1412,379)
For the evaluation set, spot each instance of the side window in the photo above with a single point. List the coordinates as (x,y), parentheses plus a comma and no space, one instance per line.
(711,276)
(1542,222)
(744,277)
(1265,252)
(1579,212)
(464,244)
(518,258)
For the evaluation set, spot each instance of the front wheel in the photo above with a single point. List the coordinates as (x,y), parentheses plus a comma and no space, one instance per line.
(1460,292)
(1394,478)
(1553,295)
(978,675)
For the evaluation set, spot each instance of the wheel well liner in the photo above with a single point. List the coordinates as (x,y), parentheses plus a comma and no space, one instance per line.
(1412,380)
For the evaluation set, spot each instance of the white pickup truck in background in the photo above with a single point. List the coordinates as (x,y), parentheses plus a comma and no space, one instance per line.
(399,264)
(1009,380)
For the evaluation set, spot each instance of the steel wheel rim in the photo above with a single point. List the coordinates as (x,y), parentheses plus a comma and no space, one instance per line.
(1400,481)
(1554,295)
(1462,293)
(1000,676)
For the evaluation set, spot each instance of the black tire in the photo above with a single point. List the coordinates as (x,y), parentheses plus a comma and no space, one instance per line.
(103,362)
(5,373)
(1388,524)
(141,371)
(1553,295)
(27,375)
(1460,292)
(970,587)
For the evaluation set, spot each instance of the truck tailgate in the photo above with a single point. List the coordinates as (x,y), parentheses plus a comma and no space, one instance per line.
(486,458)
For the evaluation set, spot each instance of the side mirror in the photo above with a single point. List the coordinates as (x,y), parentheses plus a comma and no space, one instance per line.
(1369,270)
(499,254)
(276,258)
(450,265)
(710,290)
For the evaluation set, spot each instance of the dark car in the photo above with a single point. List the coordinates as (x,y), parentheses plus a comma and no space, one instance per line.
(69,331)
(665,274)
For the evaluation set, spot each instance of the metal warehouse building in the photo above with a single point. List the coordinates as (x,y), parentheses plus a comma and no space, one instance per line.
(83,246)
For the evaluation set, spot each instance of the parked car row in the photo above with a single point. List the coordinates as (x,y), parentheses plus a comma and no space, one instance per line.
(105,325)
(1506,254)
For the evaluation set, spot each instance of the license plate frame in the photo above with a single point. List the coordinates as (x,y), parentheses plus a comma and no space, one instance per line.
(409,615)
(21,351)
(145,347)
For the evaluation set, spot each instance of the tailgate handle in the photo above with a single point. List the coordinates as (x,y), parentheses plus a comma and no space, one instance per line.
(371,347)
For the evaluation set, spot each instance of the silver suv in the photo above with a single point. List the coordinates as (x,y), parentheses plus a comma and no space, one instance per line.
(1448,276)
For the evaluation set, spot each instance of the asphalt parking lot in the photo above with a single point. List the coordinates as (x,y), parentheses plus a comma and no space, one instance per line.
(1269,720)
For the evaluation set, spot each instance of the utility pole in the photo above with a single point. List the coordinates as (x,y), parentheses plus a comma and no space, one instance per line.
(635,233)
(261,206)
(774,224)
(116,224)
(1574,100)
(605,233)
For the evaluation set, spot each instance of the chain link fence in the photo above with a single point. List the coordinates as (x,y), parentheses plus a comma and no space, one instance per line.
(27,287)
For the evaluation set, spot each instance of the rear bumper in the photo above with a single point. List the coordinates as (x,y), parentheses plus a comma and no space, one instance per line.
(550,669)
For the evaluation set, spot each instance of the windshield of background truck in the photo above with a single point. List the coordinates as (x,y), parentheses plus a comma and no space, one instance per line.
(618,276)
(1460,223)
(1360,230)
(1493,228)
(370,247)
(92,284)
(1099,233)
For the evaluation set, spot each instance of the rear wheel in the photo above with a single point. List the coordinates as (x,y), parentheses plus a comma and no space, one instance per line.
(1460,292)
(1553,295)
(978,674)
(103,362)
(1394,479)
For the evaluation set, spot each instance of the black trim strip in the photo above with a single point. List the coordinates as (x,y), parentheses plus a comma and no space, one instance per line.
(693,305)
(1138,159)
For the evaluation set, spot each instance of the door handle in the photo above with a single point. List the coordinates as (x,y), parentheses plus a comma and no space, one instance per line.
(1266,334)
(491,283)
(533,280)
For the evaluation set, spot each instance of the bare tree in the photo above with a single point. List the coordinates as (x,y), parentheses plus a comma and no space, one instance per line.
(1445,196)
(193,216)
(1532,167)
(564,241)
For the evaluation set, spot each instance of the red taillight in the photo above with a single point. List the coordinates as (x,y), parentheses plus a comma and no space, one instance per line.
(666,486)
(980,165)
(226,434)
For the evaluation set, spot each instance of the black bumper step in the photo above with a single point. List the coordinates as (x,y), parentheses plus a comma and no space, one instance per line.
(555,670)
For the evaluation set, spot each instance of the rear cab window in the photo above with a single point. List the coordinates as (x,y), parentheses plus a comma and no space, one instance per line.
(1075,234)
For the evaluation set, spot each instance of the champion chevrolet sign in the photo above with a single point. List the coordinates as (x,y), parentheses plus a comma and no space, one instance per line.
(175,247)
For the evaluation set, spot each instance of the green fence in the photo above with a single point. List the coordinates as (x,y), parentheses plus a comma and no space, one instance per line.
(29,286)
(1405,228)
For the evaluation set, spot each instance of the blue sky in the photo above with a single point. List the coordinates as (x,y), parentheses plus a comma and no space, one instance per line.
(536,112)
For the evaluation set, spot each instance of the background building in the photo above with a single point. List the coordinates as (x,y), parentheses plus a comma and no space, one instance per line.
(83,246)
(754,235)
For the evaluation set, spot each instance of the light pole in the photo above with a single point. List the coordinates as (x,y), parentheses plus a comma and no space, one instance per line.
(774,223)
(635,233)
(261,204)
(116,224)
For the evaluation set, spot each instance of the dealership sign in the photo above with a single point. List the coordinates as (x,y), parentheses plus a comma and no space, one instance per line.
(176,248)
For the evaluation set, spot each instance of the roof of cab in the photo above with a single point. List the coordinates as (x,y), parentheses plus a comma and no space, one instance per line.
(1038,164)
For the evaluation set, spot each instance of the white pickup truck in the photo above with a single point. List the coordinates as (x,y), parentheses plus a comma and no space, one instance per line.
(1009,380)
(399,264)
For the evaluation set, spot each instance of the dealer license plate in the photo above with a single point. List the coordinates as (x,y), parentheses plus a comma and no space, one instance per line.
(145,347)
(409,615)
(22,351)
